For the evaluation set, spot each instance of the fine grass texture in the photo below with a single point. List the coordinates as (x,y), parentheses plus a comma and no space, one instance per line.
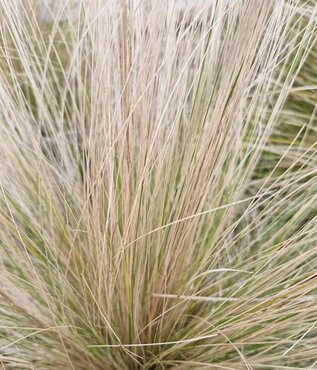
(158,185)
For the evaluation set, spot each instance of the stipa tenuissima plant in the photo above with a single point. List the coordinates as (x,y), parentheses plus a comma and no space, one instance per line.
(158,178)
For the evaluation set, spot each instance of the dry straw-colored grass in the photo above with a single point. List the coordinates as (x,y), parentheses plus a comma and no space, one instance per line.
(158,177)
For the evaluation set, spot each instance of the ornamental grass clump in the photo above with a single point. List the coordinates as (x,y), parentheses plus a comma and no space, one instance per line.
(158,185)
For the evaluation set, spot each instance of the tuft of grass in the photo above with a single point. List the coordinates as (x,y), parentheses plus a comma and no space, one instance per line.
(158,185)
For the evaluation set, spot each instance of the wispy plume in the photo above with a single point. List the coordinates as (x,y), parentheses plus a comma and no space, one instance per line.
(158,185)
